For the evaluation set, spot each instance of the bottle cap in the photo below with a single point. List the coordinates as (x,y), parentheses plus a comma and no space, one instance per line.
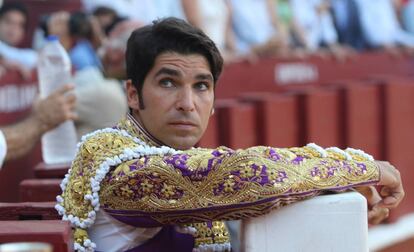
(52,38)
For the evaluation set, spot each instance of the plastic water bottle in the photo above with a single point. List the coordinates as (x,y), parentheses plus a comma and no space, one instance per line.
(54,71)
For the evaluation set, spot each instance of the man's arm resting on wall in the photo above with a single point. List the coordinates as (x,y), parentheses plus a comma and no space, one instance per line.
(201,185)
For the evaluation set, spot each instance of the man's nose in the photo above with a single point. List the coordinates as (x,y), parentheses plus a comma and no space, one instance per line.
(185,100)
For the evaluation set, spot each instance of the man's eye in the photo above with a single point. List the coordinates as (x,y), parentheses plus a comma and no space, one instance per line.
(202,86)
(166,83)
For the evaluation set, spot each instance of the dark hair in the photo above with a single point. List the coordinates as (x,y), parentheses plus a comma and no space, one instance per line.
(102,10)
(167,35)
(7,7)
(106,11)
(80,25)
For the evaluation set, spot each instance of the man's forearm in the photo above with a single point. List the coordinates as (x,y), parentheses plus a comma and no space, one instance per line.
(226,184)
(21,137)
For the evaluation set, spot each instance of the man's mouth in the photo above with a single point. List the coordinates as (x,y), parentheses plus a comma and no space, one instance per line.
(185,125)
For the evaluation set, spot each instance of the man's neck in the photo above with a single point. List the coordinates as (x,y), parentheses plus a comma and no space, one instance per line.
(134,117)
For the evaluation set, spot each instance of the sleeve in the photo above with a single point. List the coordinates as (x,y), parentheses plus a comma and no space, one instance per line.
(329,34)
(404,38)
(3,148)
(223,184)
(147,186)
(369,28)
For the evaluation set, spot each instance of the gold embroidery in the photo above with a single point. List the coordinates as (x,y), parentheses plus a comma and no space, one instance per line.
(221,235)
(203,184)
(225,185)
(80,235)
(203,234)
(92,153)
(128,125)
(211,232)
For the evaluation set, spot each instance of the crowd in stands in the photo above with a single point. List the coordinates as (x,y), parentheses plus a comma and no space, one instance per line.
(285,28)
(95,37)
(240,28)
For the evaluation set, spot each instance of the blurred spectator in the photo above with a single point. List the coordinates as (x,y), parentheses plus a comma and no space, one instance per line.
(79,33)
(256,30)
(288,27)
(203,14)
(93,90)
(142,10)
(113,49)
(82,53)
(169,8)
(316,21)
(407,16)
(101,102)
(107,18)
(380,25)
(18,139)
(284,15)
(345,14)
(13,21)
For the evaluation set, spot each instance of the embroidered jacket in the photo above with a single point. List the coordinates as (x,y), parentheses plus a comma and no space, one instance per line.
(125,172)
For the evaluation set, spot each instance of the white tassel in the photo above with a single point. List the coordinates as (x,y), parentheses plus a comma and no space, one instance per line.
(318,149)
(360,153)
(340,152)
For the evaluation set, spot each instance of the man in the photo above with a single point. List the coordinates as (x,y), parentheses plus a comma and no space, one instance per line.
(315,19)
(157,192)
(346,19)
(17,140)
(13,21)
(382,14)
(258,32)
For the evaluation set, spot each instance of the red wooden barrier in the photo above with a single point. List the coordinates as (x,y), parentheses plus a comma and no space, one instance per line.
(29,211)
(237,124)
(399,111)
(403,246)
(276,75)
(323,120)
(57,233)
(364,115)
(277,119)
(39,190)
(43,170)
(210,138)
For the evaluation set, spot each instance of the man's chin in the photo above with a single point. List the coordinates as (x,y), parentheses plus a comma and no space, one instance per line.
(182,144)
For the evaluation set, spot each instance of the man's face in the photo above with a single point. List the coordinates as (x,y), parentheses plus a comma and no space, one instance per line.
(178,96)
(12,27)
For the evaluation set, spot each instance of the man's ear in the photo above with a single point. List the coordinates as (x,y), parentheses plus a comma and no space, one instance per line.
(132,95)
(212,112)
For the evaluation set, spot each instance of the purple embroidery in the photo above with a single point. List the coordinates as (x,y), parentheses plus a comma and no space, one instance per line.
(315,172)
(362,167)
(216,153)
(178,161)
(273,155)
(282,175)
(297,160)
(331,171)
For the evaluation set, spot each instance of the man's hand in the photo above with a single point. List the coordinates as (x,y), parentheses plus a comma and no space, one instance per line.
(56,108)
(47,113)
(392,191)
(376,214)
(8,65)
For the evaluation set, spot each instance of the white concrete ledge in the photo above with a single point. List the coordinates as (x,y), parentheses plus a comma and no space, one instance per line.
(336,222)
(383,236)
